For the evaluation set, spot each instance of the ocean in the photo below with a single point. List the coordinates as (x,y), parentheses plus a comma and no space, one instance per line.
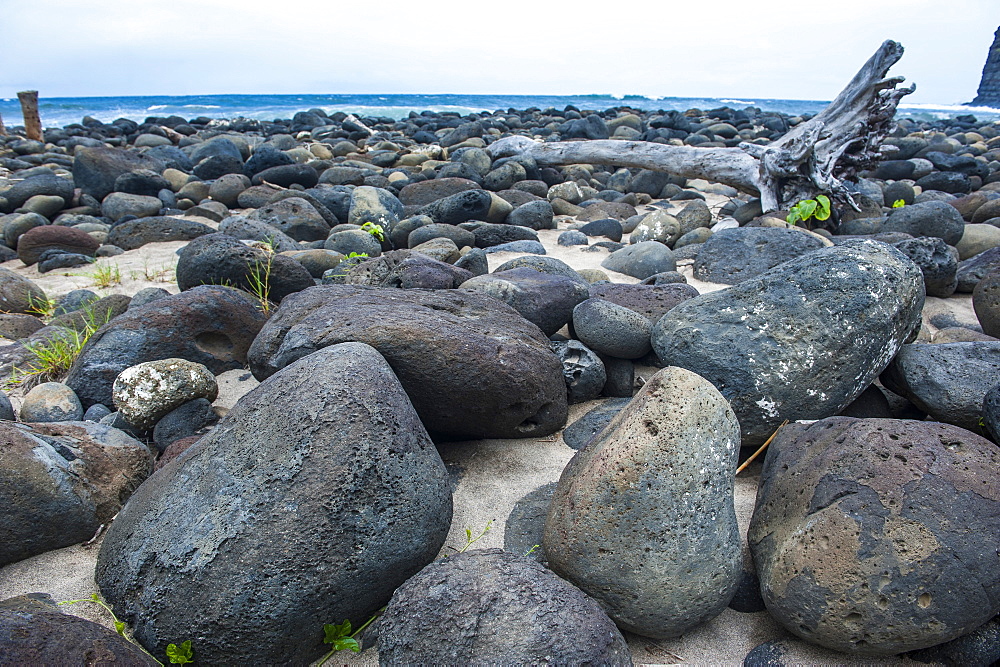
(62,111)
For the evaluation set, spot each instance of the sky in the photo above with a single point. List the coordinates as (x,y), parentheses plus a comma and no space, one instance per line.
(779,49)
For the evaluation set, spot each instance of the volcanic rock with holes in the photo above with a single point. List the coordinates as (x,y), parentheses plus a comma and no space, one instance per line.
(146,392)
(493,607)
(311,502)
(877,536)
(643,517)
(60,481)
(731,256)
(802,340)
(209,325)
(472,365)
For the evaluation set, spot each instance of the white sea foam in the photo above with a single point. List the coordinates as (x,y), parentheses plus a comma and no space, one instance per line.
(156,107)
(743,102)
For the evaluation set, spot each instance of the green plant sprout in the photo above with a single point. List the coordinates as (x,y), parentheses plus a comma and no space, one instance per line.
(180,655)
(532,550)
(818,208)
(375,230)
(470,540)
(52,358)
(899,203)
(40,307)
(260,283)
(177,655)
(341,638)
(353,255)
(106,275)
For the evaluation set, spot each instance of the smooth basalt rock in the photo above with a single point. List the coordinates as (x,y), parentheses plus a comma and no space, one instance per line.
(543,299)
(464,609)
(210,325)
(145,392)
(51,402)
(643,517)
(948,380)
(313,500)
(472,365)
(582,368)
(59,482)
(877,536)
(610,329)
(802,340)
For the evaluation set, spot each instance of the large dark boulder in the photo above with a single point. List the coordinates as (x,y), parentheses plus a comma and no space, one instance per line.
(802,340)
(730,256)
(210,325)
(947,380)
(219,259)
(932,218)
(877,536)
(465,609)
(310,503)
(472,365)
(95,170)
(34,631)
(643,518)
(60,481)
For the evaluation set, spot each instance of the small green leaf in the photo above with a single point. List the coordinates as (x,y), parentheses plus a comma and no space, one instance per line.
(347,644)
(899,203)
(334,633)
(823,208)
(808,208)
(180,655)
(120,628)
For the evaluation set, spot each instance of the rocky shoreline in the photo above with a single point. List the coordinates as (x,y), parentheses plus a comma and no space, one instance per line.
(348,346)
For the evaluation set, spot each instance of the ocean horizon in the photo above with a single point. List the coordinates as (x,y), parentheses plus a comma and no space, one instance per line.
(62,111)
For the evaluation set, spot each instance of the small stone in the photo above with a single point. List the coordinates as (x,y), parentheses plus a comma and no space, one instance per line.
(146,392)
(51,402)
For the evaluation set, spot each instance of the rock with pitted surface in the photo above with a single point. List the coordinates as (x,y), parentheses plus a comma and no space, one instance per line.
(137,233)
(731,256)
(34,631)
(643,517)
(948,380)
(937,260)
(932,218)
(986,303)
(294,217)
(652,301)
(582,368)
(641,260)
(465,609)
(870,535)
(406,269)
(472,365)
(543,299)
(209,324)
(145,392)
(802,340)
(333,438)
(59,482)
(977,267)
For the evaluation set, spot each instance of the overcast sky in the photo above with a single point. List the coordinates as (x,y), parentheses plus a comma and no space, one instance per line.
(763,49)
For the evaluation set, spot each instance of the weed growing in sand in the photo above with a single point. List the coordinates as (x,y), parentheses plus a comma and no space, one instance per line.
(470,540)
(106,275)
(52,358)
(818,208)
(177,655)
(41,307)
(150,274)
(260,279)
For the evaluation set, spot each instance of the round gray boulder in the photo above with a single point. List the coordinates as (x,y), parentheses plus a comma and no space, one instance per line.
(802,340)
(641,260)
(643,517)
(51,402)
(467,608)
(610,329)
(315,498)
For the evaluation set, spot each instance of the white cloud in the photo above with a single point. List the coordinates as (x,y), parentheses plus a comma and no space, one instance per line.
(772,48)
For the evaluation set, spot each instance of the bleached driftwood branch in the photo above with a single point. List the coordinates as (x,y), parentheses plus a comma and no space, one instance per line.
(813,157)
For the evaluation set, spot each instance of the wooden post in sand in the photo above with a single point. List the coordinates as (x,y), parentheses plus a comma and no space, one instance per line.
(29,108)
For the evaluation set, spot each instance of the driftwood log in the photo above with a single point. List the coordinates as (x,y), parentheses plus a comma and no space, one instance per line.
(814,157)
